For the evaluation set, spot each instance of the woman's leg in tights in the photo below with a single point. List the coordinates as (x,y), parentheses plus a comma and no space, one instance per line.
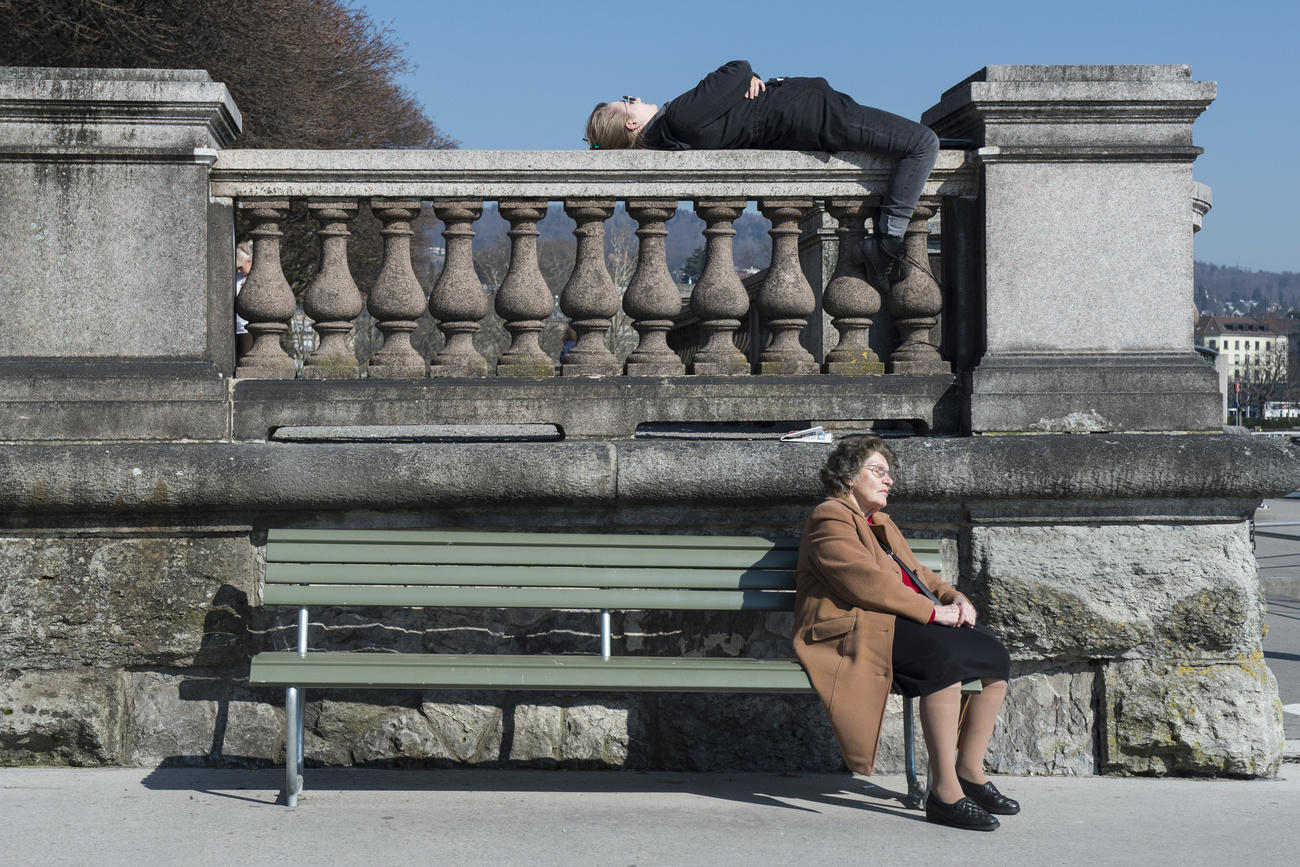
(950,755)
(939,713)
(981,715)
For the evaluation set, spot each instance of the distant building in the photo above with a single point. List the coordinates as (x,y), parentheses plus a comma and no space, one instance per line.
(1282,409)
(1247,343)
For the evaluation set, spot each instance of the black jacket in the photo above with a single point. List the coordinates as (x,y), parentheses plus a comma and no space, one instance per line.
(792,114)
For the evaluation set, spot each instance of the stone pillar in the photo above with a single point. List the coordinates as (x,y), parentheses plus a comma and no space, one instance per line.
(719,298)
(849,297)
(332,300)
(652,299)
(915,303)
(524,299)
(590,298)
(396,301)
(266,301)
(1088,235)
(110,242)
(458,301)
(786,299)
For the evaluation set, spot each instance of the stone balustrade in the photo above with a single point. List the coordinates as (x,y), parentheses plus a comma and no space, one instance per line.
(264,184)
(795,191)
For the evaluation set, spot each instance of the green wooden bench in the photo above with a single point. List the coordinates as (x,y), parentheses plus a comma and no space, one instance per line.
(584,571)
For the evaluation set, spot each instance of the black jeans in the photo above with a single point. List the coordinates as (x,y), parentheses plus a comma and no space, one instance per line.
(808,114)
(915,146)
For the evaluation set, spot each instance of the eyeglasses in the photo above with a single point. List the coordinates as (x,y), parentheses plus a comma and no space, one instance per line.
(877,470)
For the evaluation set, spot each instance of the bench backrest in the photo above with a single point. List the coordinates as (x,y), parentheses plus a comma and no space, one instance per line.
(470,569)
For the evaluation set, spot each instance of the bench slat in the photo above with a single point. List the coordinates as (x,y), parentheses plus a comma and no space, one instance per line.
(529,597)
(527,555)
(558,672)
(528,576)
(495,539)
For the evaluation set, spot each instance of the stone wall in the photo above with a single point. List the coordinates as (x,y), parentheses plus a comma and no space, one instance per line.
(138,479)
(1134,622)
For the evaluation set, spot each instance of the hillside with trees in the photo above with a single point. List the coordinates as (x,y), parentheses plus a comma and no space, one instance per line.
(1234,291)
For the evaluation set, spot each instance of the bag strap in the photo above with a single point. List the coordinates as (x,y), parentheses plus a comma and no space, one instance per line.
(911,576)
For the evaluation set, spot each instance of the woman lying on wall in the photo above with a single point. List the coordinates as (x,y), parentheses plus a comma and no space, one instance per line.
(733,108)
(868,615)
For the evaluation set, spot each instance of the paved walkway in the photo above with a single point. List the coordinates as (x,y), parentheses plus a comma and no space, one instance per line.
(197,817)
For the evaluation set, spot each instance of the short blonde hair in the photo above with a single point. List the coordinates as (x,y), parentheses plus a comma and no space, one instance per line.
(607,129)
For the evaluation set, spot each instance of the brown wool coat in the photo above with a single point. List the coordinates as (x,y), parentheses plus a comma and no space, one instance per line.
(849,592)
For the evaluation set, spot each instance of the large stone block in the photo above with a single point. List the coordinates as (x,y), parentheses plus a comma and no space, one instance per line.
(1116,590)
(61,717)
(1047,724)
(696,732)
(1171,717)
(125,602)
(382,731)
(111,206)
(400,728)
(179,719)
(581,734)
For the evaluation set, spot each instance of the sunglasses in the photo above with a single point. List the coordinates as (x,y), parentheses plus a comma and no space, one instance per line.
(628,101)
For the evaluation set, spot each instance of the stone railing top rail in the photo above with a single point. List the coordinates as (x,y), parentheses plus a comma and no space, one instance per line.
(682,175)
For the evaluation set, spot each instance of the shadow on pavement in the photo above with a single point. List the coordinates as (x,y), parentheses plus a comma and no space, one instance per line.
(261,786)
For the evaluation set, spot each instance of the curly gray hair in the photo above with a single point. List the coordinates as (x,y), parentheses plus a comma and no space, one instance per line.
(845,462)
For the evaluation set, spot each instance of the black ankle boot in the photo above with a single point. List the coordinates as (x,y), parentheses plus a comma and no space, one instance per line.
(883,256)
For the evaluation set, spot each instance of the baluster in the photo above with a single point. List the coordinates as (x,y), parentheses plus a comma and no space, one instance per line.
(396,301)
(332,300)
(786,300)
(266,301)
(915,303)
(458,301)
(849,298)
(719,299)
(590,298)
(524,300)
(652,298)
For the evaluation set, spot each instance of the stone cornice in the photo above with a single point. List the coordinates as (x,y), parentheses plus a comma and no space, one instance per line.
(188,477)
(115,109)
(489,175)
(1154,106)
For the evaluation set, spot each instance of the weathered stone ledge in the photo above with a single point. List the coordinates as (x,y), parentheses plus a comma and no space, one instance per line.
(176,477)
(488,175)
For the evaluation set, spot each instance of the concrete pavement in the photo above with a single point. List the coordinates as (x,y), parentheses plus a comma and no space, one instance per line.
(199,817)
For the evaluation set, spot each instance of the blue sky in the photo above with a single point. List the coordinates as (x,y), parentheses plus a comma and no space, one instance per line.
(523,76)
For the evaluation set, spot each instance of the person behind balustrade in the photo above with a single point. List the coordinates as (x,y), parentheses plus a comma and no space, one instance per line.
(733,108)
(868,616)
(243,264)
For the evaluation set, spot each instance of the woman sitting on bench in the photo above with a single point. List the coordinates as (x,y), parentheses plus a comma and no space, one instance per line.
(733,108)
(868,615)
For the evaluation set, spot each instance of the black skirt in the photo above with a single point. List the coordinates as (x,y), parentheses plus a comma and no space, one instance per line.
(929,657)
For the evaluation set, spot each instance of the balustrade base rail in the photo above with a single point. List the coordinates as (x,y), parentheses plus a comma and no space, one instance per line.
(599,408)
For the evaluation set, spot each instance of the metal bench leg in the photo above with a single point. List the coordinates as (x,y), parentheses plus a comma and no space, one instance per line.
(915,792)
(292,746)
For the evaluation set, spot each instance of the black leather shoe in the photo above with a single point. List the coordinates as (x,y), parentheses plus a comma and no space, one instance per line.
(965,814)
(988,797)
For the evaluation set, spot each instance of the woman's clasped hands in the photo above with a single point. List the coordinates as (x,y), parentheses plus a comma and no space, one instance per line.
(959,613)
